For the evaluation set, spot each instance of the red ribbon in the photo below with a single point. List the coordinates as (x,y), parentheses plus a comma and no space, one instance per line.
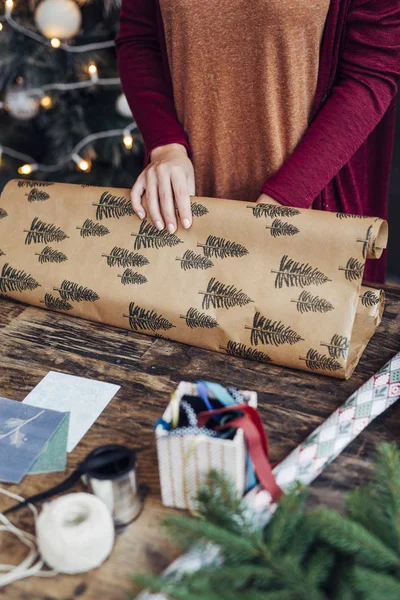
(256,438)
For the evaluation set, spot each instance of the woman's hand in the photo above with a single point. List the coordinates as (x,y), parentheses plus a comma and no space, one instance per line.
(265,199)
(168,182)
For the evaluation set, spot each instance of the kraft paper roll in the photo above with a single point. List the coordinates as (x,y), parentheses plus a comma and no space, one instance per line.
(263,282)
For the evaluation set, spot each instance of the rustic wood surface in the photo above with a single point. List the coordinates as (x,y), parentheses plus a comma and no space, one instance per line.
(292,404)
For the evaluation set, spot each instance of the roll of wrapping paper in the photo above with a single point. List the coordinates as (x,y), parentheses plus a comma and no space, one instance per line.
(264,282)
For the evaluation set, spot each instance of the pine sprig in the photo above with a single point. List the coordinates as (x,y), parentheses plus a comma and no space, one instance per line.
(199,210)
(75,292)
(3,213)
(345,216)
(49,255)
(217,247)
(292,273)
(141,319)
(120,257)
(273,210)
(338,346)
(267,331)
(195,319)
(92,229)
(319,362)
(369,298)
(191,260)
(54,303)
(131,277)
(243,351)
(279,228)
(112,207)
(34,184)
(150,237)
(14,280)
(306,302)
(36,195)
(353,269)
(221,295)
(43,233)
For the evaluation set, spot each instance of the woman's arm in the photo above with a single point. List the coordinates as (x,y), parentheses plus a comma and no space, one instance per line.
(369,69)
(145,82)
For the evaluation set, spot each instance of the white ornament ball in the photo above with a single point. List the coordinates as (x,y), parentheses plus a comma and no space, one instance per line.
(58,19)
(122,107)
(21,105)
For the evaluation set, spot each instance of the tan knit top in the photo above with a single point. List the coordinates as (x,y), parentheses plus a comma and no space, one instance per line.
(244,75)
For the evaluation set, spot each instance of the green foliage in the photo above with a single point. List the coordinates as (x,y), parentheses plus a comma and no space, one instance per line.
(301,554)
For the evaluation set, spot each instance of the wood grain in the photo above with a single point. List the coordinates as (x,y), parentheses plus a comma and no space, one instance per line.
(292,404)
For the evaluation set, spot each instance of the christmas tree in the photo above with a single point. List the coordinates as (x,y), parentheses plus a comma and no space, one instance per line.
(63,116)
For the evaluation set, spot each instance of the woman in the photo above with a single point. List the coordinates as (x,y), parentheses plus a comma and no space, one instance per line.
(291,102)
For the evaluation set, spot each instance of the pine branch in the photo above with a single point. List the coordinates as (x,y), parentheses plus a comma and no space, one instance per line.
(113,207)
(34,184)
(142,319)
(353,269)
(345,216)
(119,257)
(216,247)
(306,302)
(242,351)
(375,586)
(48,255)
(75,292)
(56,303)
(338,346)
(131,277)
(150,237)
(292,273)
(3,213)
(195,319)
(220,295)
(365,242)
(43,233)
(279,228)
(13,280)
(319,362)
(90,228)
(266,331)
(273,210)
(191,260)
(199,210)
(36,195)
(369,298)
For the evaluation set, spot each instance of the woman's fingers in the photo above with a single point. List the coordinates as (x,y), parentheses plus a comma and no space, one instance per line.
(152,199)
(166,197)
(182,197)
(136,195)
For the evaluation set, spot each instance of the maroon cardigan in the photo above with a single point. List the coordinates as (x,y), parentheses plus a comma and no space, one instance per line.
(343,161)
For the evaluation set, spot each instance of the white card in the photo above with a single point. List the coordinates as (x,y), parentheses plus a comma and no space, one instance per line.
(84,399)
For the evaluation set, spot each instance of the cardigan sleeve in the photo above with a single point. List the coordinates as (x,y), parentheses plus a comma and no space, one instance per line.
(144,78)
(368,72)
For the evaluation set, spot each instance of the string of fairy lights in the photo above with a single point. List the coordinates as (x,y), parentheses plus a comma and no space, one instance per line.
(42,95)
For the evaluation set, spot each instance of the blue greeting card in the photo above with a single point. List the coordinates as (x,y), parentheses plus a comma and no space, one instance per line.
(24,432)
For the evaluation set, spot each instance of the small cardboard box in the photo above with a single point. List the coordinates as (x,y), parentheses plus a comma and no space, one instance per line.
(183,461)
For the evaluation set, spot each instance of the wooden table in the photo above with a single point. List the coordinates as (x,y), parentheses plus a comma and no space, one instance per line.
(292,404)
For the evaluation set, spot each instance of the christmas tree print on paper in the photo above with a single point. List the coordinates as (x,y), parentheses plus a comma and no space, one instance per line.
(199,210)
(14,280)
(36,195)
(365,242)
(221,295)
(191,260)
(2,253)
(279,228)
(370,298)
(113,207)
(75,292)
(56,303)
(242,351)
(345,216)
(49,255)
(267,331)
(3,213)
(273,210)
(141,319)
(319,362)
(216,247)
(34,184)
(120,257)
(92,229)
(338,346)
(353,269)
(195,319)
(293,273)
(158,336)
(306,302)
(150,237)
(43,233)
(131,277)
